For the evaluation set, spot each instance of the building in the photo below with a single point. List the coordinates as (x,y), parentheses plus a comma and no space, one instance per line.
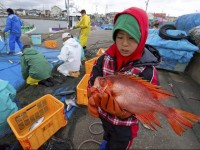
(56,11)
(20,12)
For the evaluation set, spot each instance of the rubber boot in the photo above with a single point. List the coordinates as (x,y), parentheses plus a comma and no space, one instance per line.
(103,145)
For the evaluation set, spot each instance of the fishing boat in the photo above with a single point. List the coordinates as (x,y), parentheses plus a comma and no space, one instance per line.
(57,29)
(73,19)
(27,28)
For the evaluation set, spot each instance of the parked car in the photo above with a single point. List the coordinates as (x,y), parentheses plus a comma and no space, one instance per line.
(107,26)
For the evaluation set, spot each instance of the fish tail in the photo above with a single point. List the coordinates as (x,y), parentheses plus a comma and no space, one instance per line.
(148,119)
(179,120)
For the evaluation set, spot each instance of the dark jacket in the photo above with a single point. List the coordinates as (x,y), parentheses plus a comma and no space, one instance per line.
(149,59)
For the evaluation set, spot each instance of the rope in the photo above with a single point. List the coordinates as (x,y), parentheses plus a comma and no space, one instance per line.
(92,132)
(5,44)
(95,133)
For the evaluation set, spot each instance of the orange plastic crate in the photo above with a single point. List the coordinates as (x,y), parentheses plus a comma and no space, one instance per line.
(101,51)
(51,44)
(20,122)
(82,98)
(89,65)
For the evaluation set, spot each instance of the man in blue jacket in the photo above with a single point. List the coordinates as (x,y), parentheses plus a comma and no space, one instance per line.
(13,24)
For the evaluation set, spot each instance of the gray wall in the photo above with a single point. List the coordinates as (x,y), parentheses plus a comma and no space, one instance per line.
(193,68)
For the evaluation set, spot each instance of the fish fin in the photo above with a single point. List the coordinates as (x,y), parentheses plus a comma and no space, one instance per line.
(158,93)
(179,120)
(148,119)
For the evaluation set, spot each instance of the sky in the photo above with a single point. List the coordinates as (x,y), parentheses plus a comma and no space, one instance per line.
(170,7)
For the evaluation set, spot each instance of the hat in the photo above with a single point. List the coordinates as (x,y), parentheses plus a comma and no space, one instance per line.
(66,35)
(83,11)
(128,24)
(26,40)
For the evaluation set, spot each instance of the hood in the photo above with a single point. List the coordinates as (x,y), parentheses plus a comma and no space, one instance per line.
(142,20)
(151,56)
(30,51)
(71,42)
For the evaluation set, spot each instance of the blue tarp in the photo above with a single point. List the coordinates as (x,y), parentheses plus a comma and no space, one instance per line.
(63,97)
(187,22)
(4,46)
(181,45)
(175,54)
(10,68)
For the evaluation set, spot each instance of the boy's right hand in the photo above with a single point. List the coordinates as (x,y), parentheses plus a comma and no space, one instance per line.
(108,103)
(92,107)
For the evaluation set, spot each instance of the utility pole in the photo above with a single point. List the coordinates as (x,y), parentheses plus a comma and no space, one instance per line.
(67,8)
(106,9)
(147,2)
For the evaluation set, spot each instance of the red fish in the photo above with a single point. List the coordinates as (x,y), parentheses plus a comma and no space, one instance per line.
(141,98)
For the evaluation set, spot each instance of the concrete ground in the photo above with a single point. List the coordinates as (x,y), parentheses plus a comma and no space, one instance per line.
(80,127)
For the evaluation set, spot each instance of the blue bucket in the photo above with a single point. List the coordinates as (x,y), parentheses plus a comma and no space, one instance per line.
(36,39)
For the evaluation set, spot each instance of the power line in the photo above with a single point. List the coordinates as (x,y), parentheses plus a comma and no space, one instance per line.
(2,6)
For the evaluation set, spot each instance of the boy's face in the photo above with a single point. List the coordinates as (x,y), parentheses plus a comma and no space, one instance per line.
(125,43)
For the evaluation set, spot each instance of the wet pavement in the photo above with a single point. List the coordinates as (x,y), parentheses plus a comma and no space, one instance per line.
(85,132)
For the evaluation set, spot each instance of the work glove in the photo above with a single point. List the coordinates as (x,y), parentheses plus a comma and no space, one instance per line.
(108,103)
(92,108)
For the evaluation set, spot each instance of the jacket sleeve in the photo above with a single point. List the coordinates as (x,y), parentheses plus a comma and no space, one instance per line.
(150,74)
(24,68)
(64,54)
(83,23)
(96,71)
(8,25)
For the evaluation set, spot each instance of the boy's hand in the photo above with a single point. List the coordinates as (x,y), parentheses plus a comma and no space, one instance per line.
(108,104)
(92,107)
(74,27)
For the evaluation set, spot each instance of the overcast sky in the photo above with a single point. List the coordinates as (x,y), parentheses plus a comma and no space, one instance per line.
(170,7)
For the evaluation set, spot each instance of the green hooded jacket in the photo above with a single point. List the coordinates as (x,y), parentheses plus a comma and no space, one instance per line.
(35,65)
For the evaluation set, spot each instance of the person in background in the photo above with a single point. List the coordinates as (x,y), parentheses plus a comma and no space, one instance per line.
(155,25)
(70,54)
(84,24)
(13,24)
(127,55)
(35,67)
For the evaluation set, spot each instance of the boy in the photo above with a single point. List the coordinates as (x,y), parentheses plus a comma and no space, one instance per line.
(129,55)
(35,67)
